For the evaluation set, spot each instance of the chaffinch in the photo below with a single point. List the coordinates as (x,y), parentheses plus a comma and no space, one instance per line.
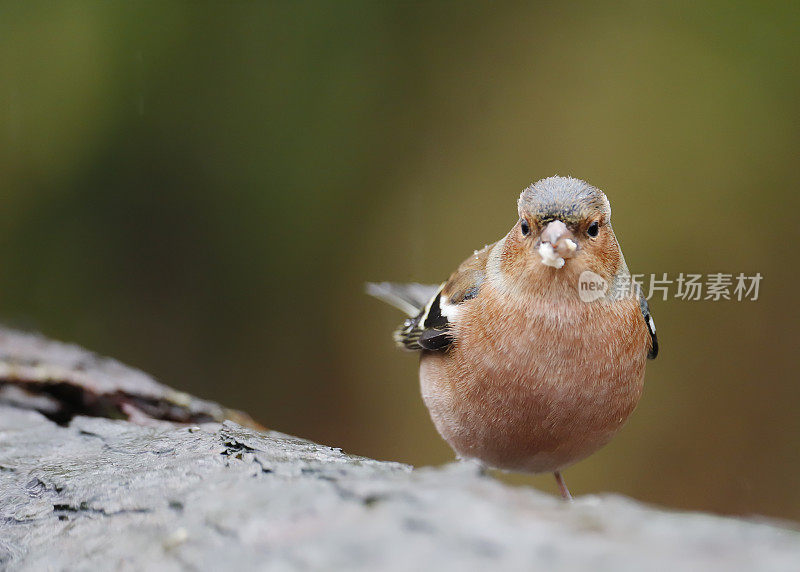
(519,369)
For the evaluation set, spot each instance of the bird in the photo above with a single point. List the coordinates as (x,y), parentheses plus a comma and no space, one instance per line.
(524,366)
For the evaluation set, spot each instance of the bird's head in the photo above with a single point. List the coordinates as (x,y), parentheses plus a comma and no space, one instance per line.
(564,228)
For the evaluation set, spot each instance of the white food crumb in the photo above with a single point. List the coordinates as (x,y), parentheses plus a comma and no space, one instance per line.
(549,256)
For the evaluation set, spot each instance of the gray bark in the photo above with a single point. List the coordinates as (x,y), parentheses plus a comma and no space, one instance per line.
(80,491)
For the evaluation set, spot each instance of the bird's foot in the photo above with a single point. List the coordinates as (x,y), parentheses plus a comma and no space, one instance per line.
(475,465)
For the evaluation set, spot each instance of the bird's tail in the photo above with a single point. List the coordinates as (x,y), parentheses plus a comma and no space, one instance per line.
(411,298)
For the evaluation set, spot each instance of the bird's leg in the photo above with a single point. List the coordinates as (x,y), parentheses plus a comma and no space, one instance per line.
(562,486)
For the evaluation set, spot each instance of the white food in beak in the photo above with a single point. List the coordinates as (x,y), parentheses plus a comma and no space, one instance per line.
(549,256)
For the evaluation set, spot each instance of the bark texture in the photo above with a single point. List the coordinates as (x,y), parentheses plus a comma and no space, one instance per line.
(141,491)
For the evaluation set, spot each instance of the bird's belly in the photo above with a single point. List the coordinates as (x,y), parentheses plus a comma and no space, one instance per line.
(537,402)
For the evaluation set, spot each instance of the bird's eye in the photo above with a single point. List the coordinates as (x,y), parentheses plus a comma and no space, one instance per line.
(593,229)
(524,227)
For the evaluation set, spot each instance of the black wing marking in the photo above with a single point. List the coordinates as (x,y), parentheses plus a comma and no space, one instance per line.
(651,327)
(428,330)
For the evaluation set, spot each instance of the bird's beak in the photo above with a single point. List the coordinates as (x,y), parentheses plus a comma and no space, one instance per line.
(556,243)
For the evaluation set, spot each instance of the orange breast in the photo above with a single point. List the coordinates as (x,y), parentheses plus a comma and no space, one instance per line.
(536,389)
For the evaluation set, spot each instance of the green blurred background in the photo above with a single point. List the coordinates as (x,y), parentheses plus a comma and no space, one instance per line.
(201,190)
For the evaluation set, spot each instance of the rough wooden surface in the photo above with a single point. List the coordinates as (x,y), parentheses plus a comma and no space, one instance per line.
(63,380)
(110,494)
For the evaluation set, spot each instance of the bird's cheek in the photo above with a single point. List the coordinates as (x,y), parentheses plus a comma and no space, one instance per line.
(605,258)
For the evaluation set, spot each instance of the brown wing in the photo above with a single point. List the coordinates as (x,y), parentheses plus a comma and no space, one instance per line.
(465,283)
(430,329)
